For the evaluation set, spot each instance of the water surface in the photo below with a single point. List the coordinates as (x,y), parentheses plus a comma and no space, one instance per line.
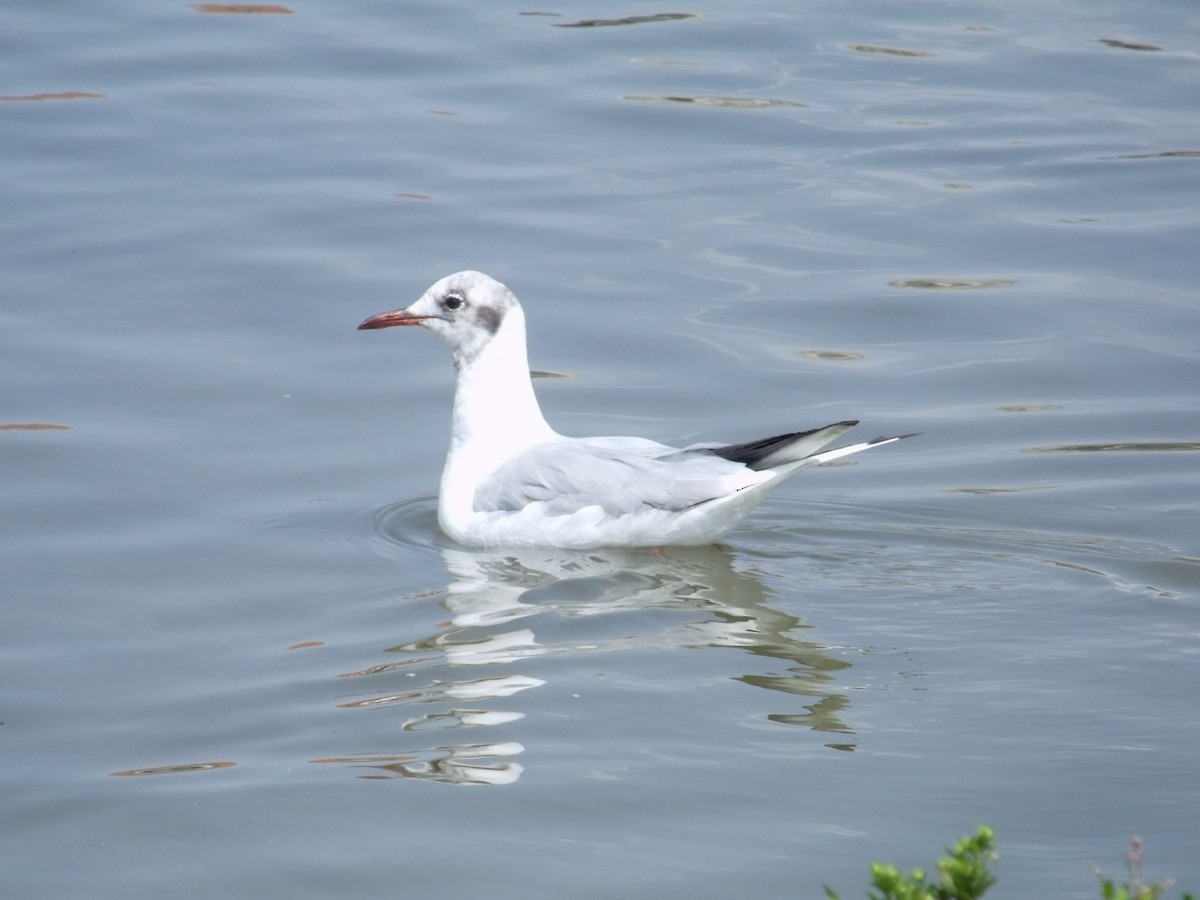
(238,660)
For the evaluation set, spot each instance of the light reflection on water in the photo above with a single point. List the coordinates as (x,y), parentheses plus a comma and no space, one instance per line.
(711,603)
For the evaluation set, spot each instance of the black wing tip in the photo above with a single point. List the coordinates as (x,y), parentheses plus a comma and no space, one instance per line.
(751,453)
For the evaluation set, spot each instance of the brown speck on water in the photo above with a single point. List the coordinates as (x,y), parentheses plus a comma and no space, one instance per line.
(62,95)
(241,8)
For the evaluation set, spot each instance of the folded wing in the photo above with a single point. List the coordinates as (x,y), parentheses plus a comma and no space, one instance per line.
(619,475)
(630,475)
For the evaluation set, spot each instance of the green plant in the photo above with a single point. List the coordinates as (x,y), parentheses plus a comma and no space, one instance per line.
(1135,888)
(963,874)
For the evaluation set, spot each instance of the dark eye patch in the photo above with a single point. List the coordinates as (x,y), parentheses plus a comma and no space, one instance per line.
(453,300)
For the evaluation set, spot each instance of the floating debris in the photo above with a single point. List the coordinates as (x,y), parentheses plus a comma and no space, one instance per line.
(240,8)
(34,426)
(1127,45)
(832,355)
(63,95)
(888,51)
(951,284)
(1121,447)
(176,769)
(998,490)
(726,102)
(1165,154)
(627,20)
(1029,408)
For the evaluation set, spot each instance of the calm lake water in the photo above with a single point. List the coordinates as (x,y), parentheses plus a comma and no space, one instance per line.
(236,658)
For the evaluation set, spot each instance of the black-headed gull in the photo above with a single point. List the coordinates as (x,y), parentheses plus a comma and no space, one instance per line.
(510,480)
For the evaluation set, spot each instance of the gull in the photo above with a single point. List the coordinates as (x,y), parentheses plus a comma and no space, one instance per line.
(510,480)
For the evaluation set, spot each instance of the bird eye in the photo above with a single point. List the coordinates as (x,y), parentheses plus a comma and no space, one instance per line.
(453,301)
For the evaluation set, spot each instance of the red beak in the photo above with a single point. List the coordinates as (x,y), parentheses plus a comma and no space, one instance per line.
(388,319)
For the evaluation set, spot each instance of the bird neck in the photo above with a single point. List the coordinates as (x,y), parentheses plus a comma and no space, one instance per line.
(496,412)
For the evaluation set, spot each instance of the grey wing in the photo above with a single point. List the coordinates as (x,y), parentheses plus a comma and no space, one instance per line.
(620,475)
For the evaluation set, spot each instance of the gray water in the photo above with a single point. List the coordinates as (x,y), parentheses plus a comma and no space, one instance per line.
(236,658)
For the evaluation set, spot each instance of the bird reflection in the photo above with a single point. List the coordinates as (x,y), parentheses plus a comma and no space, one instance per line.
(506,610)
